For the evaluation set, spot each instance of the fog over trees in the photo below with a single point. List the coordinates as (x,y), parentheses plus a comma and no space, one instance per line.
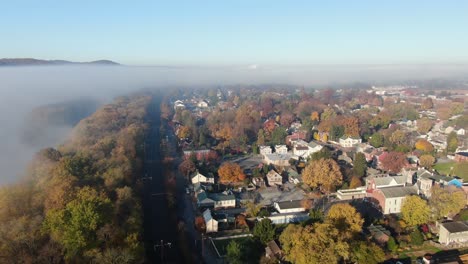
(23,89)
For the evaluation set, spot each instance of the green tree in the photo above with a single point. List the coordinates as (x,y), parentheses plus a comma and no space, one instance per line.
(234,253)
(278,136)
(75,226)
(336,132)
(261,137)
(324,153)
(392,245)
(359,165)
(253,209)
(452,142)
(264,231)
(376,140)
(414,210)
(416,237)
(366,252)
(316,215)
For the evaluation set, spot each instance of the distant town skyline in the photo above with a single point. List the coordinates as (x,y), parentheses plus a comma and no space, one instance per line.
(237,32)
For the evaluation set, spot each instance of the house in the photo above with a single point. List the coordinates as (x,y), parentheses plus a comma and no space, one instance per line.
(210,223)
(197,177)
(277,159)
(286,218)
(204,201)
(272,250)
(179,105)
(351,194)
(203,104)
(453,233)
(379,234)
(223,200)
(391,198)
(303,149)
(379,181)
(281,149)
(259,182)
(461,132)
(264,150)
(289,207)
(461,156)
(293,176)
(299,135)
(274,178)
(349,142)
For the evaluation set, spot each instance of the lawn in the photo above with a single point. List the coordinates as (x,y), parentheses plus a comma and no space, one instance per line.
(223,243)
(445,168)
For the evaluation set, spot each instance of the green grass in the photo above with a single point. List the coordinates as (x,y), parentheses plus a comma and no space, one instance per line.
(221,245)
(445,168)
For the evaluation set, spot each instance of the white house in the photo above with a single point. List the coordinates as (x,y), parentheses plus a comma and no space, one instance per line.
(304,149)
(384,180)
(223,200)
(210,222)
(348,142)
(289,207)
(274,178)
(202,104)
(264,150)
(286,218)
(281,149)
(277,159)
(198,177)
(259,182)
(461,132)
(453,233)
(179,105)
(391,198)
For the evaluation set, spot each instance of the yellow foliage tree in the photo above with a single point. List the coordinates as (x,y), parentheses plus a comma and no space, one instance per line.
(324,173)
(345,218)
(230,172)
(414,210)
(424,145)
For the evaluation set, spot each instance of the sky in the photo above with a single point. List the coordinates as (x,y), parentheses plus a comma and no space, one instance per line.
(237,32)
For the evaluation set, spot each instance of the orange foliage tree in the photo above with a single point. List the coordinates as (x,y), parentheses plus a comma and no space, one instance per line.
(424,145)
(230,172)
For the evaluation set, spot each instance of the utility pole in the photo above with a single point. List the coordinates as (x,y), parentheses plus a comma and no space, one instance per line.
(162,246)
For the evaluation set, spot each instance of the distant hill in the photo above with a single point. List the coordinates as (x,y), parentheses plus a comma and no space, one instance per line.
(36,62)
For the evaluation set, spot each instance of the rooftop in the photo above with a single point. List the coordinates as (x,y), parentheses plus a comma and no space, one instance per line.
(289,204)
(455,227)
(393,192)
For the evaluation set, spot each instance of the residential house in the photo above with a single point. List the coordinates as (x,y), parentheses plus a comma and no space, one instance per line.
(299,135)
(461,156)
(210,223)
(374,182)
(379,234)
(286,218)
(203,104)
(289,207)
(179,105)
(303,149)
(258,181)
(277,159)
(293,176)
(274,178)
(223,200)
(264,150)
(197,177)
(453,233)
(351,194)
(349,142)
(204,200)
(461,132)
(281,149)
(272,250)
(391,198)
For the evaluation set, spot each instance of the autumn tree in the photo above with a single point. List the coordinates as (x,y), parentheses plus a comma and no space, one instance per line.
(427,104)
(230,172)
(324,153)
(307,204)
(424,145)
(260,137)
(424,125)
(414,210)
(324,173)
(426,161)
(354,182)
(398,137)
(200,224)
(345,218)
(253,209)
(186,167)
(315,117)
(366,252)
(359,165)
(452,142)
(264,231)
(394,161)
(446,201)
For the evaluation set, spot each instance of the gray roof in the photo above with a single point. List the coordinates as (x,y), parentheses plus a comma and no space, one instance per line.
(312,144)
(222,196)
(289,204)
(455,227)
(393,192)
(386,180)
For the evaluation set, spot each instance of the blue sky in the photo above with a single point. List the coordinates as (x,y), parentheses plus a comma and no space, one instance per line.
(237,32)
